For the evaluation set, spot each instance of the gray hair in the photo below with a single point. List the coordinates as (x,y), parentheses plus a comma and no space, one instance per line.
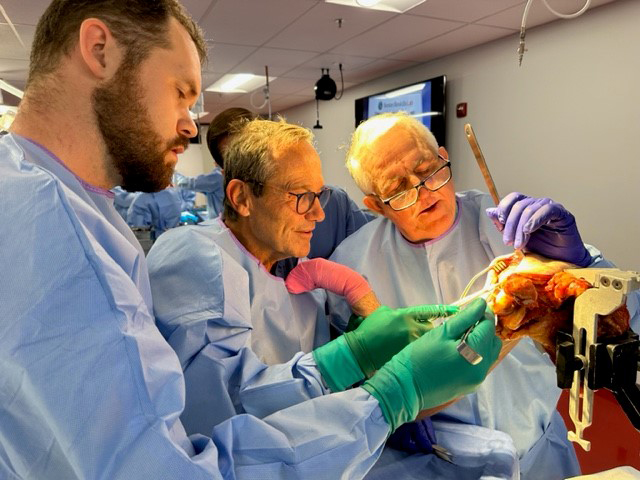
(250,154)
(362,157)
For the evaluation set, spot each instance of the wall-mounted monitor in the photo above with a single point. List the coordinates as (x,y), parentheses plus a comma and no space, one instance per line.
(424,100)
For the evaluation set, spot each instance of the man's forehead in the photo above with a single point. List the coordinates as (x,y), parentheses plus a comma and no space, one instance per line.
(186,57)
(391,157)
(297,164)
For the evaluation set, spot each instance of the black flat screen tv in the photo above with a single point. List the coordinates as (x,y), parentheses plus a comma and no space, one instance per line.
(425,100)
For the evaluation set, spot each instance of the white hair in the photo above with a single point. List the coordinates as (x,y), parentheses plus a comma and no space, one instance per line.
(362,151)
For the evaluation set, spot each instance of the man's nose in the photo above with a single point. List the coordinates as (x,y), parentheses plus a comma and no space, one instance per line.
(187,127)
(423,192)
(316,213)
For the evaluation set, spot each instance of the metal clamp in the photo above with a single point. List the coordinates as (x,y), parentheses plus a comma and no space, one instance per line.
(610,288)
(468,353)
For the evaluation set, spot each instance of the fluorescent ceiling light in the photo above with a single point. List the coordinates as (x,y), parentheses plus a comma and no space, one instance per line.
(239,83)
(397,6)
(7,87)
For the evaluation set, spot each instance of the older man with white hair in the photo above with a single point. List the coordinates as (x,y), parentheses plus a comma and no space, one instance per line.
(429,242)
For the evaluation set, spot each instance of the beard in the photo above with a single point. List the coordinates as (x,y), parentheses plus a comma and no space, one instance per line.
(136,152)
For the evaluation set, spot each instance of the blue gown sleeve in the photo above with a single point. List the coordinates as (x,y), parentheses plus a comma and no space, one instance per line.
(202,307)
(139,213)
(90,389)
(205,183)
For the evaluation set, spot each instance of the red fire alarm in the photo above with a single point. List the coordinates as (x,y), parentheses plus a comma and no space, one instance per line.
(461,110)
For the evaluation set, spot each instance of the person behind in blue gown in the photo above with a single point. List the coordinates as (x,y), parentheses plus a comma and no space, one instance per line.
(427,244)
(212,184)
(122,200)
(215,293)
(157,210)
(89,387)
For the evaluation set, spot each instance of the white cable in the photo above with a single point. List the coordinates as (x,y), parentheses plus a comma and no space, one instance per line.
(523,24)
(568,15)
(256,107)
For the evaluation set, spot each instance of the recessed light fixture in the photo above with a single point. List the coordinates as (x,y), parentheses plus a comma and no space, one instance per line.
(239,83)
(397,6)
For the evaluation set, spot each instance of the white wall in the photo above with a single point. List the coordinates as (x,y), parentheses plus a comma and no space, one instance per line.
(564,125)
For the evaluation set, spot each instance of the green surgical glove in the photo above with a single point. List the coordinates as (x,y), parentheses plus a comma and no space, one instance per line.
(359,353)
(430,371)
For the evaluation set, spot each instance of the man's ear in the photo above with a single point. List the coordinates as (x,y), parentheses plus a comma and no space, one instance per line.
(239,196)
(98,48)
(373,203)
(443,152)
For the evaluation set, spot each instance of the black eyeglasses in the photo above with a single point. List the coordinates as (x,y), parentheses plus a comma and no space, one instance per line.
(433,182)
(304,200)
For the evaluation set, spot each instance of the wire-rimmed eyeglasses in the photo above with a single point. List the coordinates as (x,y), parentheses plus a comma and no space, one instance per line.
(304,200)
(433,182)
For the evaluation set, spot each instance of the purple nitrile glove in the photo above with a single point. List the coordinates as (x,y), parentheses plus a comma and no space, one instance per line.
(414,437)
(542,226)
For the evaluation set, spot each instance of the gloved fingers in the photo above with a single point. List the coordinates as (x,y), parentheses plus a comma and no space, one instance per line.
(531,207)
(463,320)
(484,341)
(505,206)
(512,220)
(552,214)
(500,213)
(424,313)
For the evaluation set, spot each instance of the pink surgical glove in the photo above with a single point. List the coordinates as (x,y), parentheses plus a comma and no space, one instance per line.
(341,280)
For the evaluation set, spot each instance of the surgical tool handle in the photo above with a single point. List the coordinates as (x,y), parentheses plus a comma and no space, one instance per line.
(473,142)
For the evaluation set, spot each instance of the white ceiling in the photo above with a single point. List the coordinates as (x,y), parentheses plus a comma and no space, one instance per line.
(296,38)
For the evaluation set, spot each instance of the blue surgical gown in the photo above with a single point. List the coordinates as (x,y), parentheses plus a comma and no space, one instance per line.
(519,396)
(212,298)
(122,200)
(211,184)
(89,387)
(342,218)
(160,210)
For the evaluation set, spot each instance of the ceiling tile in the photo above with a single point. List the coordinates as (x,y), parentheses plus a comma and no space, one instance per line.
(405,30)
(10,46)
(288,86)
(332,61)
(318,31)
(377,69)
(223,57)
(25,12)
(461,39)
(251,22)
(538,13)
(463,10)
(197,8)
(279,61)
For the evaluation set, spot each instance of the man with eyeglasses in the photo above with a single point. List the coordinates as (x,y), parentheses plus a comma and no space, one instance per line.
(428,244)
(216,299)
